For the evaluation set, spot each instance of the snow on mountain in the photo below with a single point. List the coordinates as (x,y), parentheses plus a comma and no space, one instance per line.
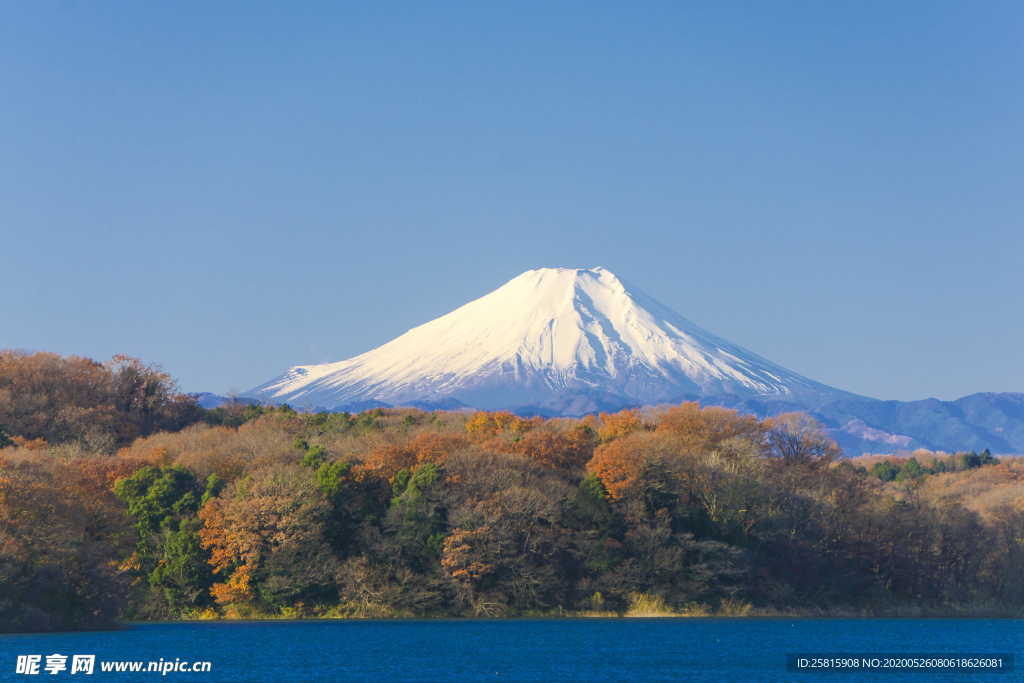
(552,340)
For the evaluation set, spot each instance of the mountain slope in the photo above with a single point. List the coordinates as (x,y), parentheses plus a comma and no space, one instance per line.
(556,340)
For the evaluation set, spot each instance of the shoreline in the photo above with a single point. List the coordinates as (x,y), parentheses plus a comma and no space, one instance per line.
(775,616)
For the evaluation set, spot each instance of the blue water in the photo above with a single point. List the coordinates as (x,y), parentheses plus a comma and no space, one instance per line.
(528,650)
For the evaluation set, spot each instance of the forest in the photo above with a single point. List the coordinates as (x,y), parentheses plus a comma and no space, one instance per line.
(121,499)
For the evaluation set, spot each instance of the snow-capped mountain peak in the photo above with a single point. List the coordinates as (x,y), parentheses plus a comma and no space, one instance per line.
(562,339)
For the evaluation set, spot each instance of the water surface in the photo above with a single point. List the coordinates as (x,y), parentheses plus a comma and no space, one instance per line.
(525,650)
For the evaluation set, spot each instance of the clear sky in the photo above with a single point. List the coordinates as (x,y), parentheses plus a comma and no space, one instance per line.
(232,188)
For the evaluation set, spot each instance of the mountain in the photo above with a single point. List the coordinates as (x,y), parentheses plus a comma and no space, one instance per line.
(208,400)
(550,341)
(976,422)
(567,341)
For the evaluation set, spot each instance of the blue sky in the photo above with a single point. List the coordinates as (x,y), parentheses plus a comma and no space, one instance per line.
(231,188)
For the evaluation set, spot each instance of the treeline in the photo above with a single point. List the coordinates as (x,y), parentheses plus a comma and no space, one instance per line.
(255,511)
(903,469)
(49,399)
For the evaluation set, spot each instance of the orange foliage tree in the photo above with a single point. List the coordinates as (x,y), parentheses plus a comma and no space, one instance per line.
(485,425)
(619,463)
(435,448)
(265,534)
(556,449)
(387,460)
(616,425)
(702,429)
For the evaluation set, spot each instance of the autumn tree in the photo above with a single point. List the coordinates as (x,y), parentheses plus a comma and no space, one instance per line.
(265,535)
(59,551)
(485,425)
(564,450)
(619,463)
(798,438)
(615,425)
(44,395)
(702,429)
(433,447)
(505,552)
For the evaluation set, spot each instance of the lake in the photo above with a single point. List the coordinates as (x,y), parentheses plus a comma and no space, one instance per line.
(532,650)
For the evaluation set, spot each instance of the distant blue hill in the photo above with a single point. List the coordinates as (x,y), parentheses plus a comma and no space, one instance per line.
(210,401)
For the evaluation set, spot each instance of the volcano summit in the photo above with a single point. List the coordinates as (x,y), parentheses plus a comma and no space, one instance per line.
(556,341)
